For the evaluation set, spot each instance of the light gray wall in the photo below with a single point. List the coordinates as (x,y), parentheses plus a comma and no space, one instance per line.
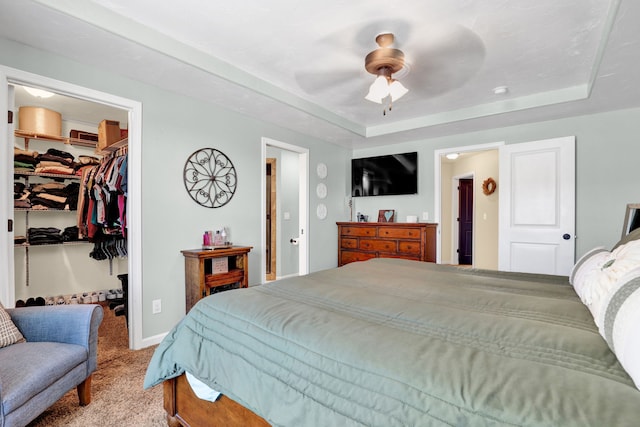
(607,172)
(175,126)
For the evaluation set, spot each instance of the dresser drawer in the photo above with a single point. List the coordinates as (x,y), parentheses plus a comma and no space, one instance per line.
(358,231)
(348,243)
(378,245)
(349,256)
(399,233)
(409,248)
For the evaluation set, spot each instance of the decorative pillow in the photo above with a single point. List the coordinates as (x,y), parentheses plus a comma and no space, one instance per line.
(9,334)
(619,323)
(580,267)
(594,281)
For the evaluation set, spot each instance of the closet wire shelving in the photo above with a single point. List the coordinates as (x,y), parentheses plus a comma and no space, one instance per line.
(26,174)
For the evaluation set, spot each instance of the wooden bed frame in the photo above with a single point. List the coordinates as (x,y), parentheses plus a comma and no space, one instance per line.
(185,409)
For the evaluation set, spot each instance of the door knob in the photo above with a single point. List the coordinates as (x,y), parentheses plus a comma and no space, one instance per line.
(566,236)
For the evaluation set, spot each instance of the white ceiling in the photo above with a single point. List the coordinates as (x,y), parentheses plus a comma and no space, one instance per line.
(301,65)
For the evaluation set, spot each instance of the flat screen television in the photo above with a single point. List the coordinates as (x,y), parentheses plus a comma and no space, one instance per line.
(387,175)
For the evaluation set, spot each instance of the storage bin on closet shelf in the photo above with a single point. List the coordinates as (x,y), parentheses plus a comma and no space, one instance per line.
(40,121)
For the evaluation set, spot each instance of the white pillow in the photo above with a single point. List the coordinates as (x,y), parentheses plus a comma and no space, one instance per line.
(579,267)
(619,322)
(602,272)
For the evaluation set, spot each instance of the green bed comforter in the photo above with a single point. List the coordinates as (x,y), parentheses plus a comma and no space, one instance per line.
(391,342)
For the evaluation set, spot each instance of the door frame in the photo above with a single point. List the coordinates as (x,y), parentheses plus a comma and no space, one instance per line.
(134,200)
(437,178)
(455,208)
(303,204)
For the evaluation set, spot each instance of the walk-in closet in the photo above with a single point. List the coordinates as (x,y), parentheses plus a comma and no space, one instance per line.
(70,189)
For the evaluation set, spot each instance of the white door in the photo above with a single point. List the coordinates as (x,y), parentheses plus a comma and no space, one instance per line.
(537,206)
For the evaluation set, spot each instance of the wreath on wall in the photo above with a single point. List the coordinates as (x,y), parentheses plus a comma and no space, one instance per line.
(489,186)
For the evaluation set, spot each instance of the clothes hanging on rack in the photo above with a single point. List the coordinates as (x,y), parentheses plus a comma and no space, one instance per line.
(102,206)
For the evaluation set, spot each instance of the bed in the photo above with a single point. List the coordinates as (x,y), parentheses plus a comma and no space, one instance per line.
(392,342)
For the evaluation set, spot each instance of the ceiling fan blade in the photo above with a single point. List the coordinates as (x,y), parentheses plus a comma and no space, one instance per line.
(316,82)
(445,62)
(338,87)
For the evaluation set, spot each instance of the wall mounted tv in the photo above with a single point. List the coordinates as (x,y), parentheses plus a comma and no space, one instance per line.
(388,175)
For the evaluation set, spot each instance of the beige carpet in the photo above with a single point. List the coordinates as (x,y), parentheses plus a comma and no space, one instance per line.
(118,398)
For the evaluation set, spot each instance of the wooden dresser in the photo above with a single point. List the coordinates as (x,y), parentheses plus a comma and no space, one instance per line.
(359,241)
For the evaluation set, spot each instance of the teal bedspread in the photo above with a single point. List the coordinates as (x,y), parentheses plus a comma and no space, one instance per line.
(391,342)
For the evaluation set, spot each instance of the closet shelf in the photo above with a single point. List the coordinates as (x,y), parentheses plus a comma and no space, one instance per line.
(114,147)
(71,141)
(42,210)
(74,243)
(47,175)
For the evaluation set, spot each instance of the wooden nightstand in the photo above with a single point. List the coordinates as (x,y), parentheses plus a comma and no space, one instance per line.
(204,271)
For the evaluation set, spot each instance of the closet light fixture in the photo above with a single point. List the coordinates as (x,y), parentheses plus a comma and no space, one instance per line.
(38,93)
(452,156)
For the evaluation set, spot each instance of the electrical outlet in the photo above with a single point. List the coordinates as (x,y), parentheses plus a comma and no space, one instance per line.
(156,306)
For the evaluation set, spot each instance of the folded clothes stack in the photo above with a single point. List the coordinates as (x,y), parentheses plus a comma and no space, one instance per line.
(24,160)
(56,161)
(51,235)
(54,195)
(21,196)
(44,235)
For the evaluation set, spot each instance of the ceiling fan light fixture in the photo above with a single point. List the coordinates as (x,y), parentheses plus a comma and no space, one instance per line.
(378,90)
(397,90)
(384,62)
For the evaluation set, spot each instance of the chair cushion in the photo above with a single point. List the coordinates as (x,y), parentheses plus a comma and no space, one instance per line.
(28,368)
(9,334)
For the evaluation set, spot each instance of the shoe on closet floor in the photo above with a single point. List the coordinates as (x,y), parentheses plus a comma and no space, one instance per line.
(50,301)
(40,301)
(20,303)
(30,302)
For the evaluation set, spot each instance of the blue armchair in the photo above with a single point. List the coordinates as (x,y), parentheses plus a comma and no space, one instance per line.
(60,353)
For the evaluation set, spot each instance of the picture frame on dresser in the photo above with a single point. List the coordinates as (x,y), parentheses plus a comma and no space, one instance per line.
(386,215)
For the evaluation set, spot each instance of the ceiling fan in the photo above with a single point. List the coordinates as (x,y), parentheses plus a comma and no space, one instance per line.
(385,62)
(434,60)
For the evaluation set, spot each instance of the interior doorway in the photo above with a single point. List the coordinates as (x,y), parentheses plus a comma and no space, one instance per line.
(478,162)
(9,79)
(291,217)
(465,221)
(271,228)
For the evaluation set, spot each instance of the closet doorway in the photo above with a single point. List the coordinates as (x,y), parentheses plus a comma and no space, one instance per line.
(11,98)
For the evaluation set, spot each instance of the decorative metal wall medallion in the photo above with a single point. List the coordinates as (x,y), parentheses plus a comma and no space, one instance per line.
(210,178)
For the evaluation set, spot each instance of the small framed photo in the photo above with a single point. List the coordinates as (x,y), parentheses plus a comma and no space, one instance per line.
(386,215)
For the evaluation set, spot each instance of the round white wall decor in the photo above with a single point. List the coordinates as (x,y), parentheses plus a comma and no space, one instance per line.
(321,211)
(321,170)
(321,191)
